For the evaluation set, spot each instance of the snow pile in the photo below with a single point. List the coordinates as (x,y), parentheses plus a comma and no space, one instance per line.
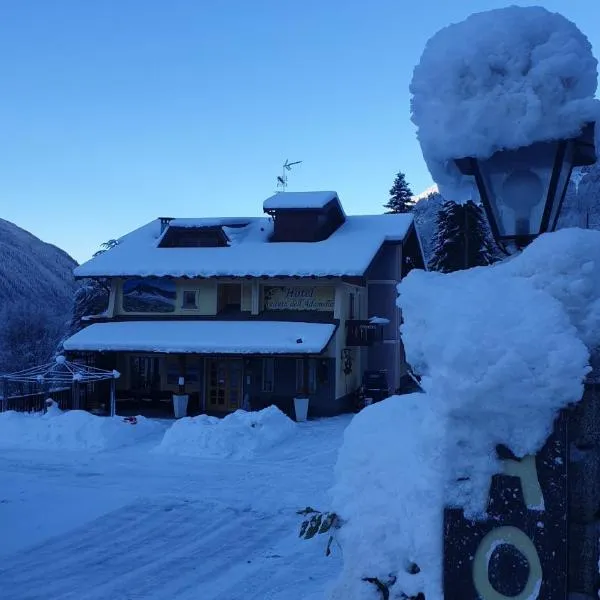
(238,435)
(52,408)
(501,79)
(70,430)
(299,200)
(389,497)
(501,350)
(566,265)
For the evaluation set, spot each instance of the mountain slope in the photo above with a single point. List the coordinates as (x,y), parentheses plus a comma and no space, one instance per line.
(36,296)
(581,207)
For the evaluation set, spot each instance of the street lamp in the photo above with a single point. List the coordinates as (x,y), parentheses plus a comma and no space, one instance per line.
(522,190)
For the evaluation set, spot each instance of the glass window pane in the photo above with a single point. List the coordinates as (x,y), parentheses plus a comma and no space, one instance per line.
(312,375)
(300,375)
(517,182)
(189,299)
(268,374)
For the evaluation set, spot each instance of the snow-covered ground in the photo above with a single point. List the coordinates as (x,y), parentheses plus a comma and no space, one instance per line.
(132,523)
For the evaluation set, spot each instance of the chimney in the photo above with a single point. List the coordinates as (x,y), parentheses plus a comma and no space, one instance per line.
(164,223)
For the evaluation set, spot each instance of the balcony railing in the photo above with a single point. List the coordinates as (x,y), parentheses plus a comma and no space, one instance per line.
(363,333)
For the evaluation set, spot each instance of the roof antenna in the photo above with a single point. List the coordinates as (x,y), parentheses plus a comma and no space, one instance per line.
(282,179)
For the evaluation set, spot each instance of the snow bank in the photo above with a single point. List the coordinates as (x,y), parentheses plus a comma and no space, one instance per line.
(238,435)
(500,79)
(500,350)
(381,478)
(566,265)
(71,430)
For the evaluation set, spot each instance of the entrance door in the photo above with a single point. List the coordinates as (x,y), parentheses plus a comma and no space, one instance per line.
(224,385)
(144,374)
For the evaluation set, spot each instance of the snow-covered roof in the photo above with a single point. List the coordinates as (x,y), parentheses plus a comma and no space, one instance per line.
(299,200)
(204,337)
(207,222)
(347,252)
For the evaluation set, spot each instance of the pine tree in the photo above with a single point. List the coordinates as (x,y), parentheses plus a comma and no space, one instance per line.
(462,239)
(401,196)
(92,297)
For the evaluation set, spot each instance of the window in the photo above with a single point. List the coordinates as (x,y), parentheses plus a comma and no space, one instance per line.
(229,297)
(189,299)
(268,374)
(144,373)
(312,375)
(351,307)
(173,375)
(246,302)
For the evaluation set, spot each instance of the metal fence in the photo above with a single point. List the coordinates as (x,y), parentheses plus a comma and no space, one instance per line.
(36,401)
(31,397)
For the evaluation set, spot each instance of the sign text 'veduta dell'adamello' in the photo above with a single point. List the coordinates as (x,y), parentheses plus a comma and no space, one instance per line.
(299,298)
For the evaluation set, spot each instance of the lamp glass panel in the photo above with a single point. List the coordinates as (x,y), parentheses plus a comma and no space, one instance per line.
(561,187)
(517,183)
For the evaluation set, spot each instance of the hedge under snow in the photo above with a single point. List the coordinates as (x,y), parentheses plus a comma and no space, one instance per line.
(500,79)
(501,350)
(238,435)
(70,430)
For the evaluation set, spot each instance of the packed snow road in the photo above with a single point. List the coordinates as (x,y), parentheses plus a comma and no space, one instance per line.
(131,524)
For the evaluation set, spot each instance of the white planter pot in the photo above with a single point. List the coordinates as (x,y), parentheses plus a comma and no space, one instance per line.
(180,402)
(301,408)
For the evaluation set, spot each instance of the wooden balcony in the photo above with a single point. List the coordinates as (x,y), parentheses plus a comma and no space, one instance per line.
(363,333)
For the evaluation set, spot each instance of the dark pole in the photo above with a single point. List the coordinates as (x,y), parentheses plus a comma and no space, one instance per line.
(3,394)
(584,489)
(113,397)
(466,234)
(305,376)
(181,377)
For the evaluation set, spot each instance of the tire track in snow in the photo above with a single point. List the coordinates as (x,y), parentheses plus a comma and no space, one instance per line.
(190,567)
(107,548)
(169,551)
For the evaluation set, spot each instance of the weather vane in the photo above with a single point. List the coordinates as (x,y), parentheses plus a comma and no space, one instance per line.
(282,179)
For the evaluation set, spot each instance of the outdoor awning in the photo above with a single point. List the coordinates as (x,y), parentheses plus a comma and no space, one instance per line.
(204,337)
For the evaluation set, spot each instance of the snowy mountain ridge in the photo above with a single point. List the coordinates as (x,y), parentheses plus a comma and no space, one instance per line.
(33,272)
(36,295)
(432,189)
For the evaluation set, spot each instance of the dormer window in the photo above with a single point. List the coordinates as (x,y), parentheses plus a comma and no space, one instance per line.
(194,237)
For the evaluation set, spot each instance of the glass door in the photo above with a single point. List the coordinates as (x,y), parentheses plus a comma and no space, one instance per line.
(224,385)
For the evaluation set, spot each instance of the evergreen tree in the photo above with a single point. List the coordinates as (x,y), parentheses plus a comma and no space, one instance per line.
(462,239)
(401,196)
(92,297)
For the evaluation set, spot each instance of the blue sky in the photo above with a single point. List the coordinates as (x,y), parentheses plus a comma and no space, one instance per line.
(115,112)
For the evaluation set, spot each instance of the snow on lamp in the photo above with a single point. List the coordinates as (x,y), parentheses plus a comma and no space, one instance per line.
(504,108)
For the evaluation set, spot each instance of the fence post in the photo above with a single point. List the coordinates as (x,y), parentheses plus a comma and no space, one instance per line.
(3,394)
(113,398)
(74,395)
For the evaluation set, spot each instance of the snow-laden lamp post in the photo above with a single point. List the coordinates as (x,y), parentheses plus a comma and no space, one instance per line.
(486,486)
(504,106)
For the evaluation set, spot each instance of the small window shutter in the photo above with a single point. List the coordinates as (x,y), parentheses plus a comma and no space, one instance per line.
(246,297)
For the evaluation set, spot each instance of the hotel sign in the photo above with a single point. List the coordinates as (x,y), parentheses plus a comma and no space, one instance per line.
(299,298)
(519,551)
